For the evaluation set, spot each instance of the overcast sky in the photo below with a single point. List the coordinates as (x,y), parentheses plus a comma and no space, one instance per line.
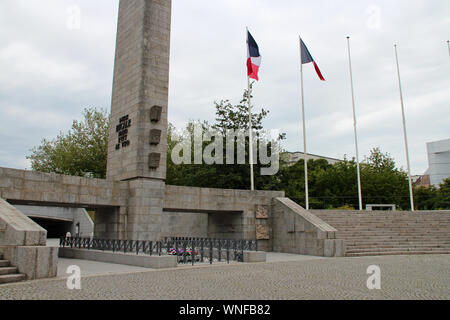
(53,65)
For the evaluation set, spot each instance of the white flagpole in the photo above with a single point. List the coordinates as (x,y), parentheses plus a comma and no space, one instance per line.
(404,132)
(448,45)
(354,127)
(304,128)
(252,177)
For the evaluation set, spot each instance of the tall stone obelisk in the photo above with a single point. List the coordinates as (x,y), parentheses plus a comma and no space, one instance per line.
(137,149)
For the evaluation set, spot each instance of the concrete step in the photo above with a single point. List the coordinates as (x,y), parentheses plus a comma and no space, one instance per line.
(389,230)
(371,221)
(392,216)
(375,215)
(391,233)
(351,240)
(395,249)
(9,278)
(4,263)
(389,224)
(8,270)
(369,253)
(387,245)
(398,241)
(374,239)
(368,242)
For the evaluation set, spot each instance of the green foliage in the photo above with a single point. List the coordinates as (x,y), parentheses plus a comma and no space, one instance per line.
(426,198)
(80,152)
(236,117)
(224,175)
(382,182)
(335,186)
(443,201)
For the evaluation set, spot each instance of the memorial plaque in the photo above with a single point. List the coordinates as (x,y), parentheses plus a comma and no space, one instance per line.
(155,113)
(261,212)
(154,160)
(155,137)
(262,232)
(122,132)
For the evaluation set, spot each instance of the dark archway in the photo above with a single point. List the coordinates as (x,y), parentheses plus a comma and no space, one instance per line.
(55,228)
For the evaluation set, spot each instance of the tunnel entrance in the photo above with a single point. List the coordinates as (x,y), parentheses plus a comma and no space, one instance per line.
(55,228)
(202,224)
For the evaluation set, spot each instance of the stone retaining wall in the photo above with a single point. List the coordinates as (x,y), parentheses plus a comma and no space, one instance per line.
(22,242)
(297,231)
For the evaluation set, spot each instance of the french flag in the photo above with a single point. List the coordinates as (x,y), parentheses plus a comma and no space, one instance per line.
(254,58)
(307,58)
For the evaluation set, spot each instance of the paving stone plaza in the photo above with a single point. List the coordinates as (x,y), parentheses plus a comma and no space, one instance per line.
(305,278)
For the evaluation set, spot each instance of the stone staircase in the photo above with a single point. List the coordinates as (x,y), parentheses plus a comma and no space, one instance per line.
(9,274)
(390,233)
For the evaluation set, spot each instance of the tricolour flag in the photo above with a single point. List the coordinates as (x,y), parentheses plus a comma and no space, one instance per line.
(307,58)
(254,58)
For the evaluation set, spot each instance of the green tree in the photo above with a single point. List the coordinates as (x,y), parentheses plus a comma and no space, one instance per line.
(334,186)
(426,198)
(382,182)
(443,201)
(80,152)
(236,176)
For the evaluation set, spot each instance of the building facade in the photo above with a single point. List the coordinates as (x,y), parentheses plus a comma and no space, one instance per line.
(438,161)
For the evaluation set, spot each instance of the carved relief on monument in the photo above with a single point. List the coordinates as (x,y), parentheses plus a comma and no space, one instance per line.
(155,114)
(155,136)
(154,160)
(261,212)
(262,232)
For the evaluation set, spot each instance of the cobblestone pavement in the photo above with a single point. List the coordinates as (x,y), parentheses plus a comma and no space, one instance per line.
(402,277)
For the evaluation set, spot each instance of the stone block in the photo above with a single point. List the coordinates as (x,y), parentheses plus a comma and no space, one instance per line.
(254,256)
(145,261)
(340,248)
(329,248)
(36,262)
(6,182)
(322,235)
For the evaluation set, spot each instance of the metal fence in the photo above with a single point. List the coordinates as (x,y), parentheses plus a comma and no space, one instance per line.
(187,250)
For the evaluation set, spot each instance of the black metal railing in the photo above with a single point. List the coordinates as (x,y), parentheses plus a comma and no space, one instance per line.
(187,250)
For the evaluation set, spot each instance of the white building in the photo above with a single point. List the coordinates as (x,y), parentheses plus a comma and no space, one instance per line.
(438,161)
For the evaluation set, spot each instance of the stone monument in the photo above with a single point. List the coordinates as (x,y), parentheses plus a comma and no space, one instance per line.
(137,149)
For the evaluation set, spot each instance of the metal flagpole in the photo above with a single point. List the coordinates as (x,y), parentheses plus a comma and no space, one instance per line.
(448,45)
(252,177)
(354,127)
(404,132)
(304,128)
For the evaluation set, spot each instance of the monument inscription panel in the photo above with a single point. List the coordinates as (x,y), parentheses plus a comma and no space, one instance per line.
(122,132)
